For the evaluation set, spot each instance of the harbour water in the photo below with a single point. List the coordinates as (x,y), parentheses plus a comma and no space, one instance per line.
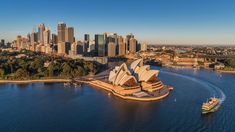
(51,107)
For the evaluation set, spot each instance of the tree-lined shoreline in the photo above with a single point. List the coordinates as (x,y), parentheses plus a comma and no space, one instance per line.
(29,65)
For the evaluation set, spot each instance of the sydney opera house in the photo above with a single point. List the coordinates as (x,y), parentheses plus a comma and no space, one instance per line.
(134,82)
(137,81)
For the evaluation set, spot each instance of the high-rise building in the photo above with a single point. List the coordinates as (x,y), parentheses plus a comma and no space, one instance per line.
(41,29)
(33,38)
(61,48)
(110,37)
(61,27)
(80,48)
(91,46)
(100,44)
(73,50)
(2,44)
(144,47)
(133,45)
(33,41)
(47,37)
(111,49)
(86,42)
(18,42)
(69,35)
(67,47)
(121,46)
(64,48)
(127,42)
(54,39)
(86,37)
(24,43)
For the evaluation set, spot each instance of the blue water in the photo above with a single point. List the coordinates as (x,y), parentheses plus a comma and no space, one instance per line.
(52,108)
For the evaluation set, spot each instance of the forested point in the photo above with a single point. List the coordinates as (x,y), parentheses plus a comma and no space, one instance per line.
(26,65)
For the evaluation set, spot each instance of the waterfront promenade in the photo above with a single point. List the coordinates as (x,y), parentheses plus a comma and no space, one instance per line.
(117,91)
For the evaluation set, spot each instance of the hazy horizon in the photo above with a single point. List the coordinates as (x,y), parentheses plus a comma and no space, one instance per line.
(153,21)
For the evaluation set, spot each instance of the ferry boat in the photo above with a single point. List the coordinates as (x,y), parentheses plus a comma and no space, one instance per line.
(210,106)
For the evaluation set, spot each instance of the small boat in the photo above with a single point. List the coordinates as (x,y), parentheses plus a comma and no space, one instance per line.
(210,106)
(175,100)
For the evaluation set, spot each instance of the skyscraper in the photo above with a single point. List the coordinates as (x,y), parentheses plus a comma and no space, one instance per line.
(80,48)
(110,37)
(61,27)
(91,46)
(54,39)
(144,47)
(133,45)
(100,44)
(64,48)
(61,48)
(111,49)
(86,42)
(47,37)
(121,46)
(73,50)
(41,29)
(86,37)
(67,47)
(18,42)
(33,40)
(69,35)
(2,42)
(127,41)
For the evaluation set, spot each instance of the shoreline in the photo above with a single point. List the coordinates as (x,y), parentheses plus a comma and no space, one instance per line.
(35,81)
(98,84)
(224,71)
(185,67)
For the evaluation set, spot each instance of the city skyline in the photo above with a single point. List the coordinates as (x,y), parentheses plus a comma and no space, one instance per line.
(154,22)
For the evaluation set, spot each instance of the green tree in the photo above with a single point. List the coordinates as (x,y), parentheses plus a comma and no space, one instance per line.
(2,73)
(21,74)
(79,71)
(66,70)
(230,63)
(51,69)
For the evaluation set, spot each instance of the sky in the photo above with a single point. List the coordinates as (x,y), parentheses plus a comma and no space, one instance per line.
(151,21)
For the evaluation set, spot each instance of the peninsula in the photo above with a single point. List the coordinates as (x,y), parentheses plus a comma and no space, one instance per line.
(136,82)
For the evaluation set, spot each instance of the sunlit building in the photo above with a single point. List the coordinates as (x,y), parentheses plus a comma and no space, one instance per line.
(69,35)
(41,29)
(121,76)
(73,50)
(61,27)
(18,42)
(143,47)
(61,48)
(132,45)
(47,37)
(111,49)
(86,42)
(146,77)
(100,44)
(54,39)
(121,46)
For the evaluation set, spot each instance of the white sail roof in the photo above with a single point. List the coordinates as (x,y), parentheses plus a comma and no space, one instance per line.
(120,75)
(143,71)
(136,63)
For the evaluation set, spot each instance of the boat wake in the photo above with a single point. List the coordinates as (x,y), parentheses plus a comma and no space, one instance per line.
(214,90)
